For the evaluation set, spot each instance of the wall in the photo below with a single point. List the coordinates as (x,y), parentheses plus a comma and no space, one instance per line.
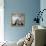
(29,7)
(43,6)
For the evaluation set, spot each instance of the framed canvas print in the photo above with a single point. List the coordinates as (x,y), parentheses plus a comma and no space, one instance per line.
(17,19)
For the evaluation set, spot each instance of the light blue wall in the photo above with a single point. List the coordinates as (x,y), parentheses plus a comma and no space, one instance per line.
(43,6)
(29,7)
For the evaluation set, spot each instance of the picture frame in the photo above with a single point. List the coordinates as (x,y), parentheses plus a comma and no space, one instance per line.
(18,19)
